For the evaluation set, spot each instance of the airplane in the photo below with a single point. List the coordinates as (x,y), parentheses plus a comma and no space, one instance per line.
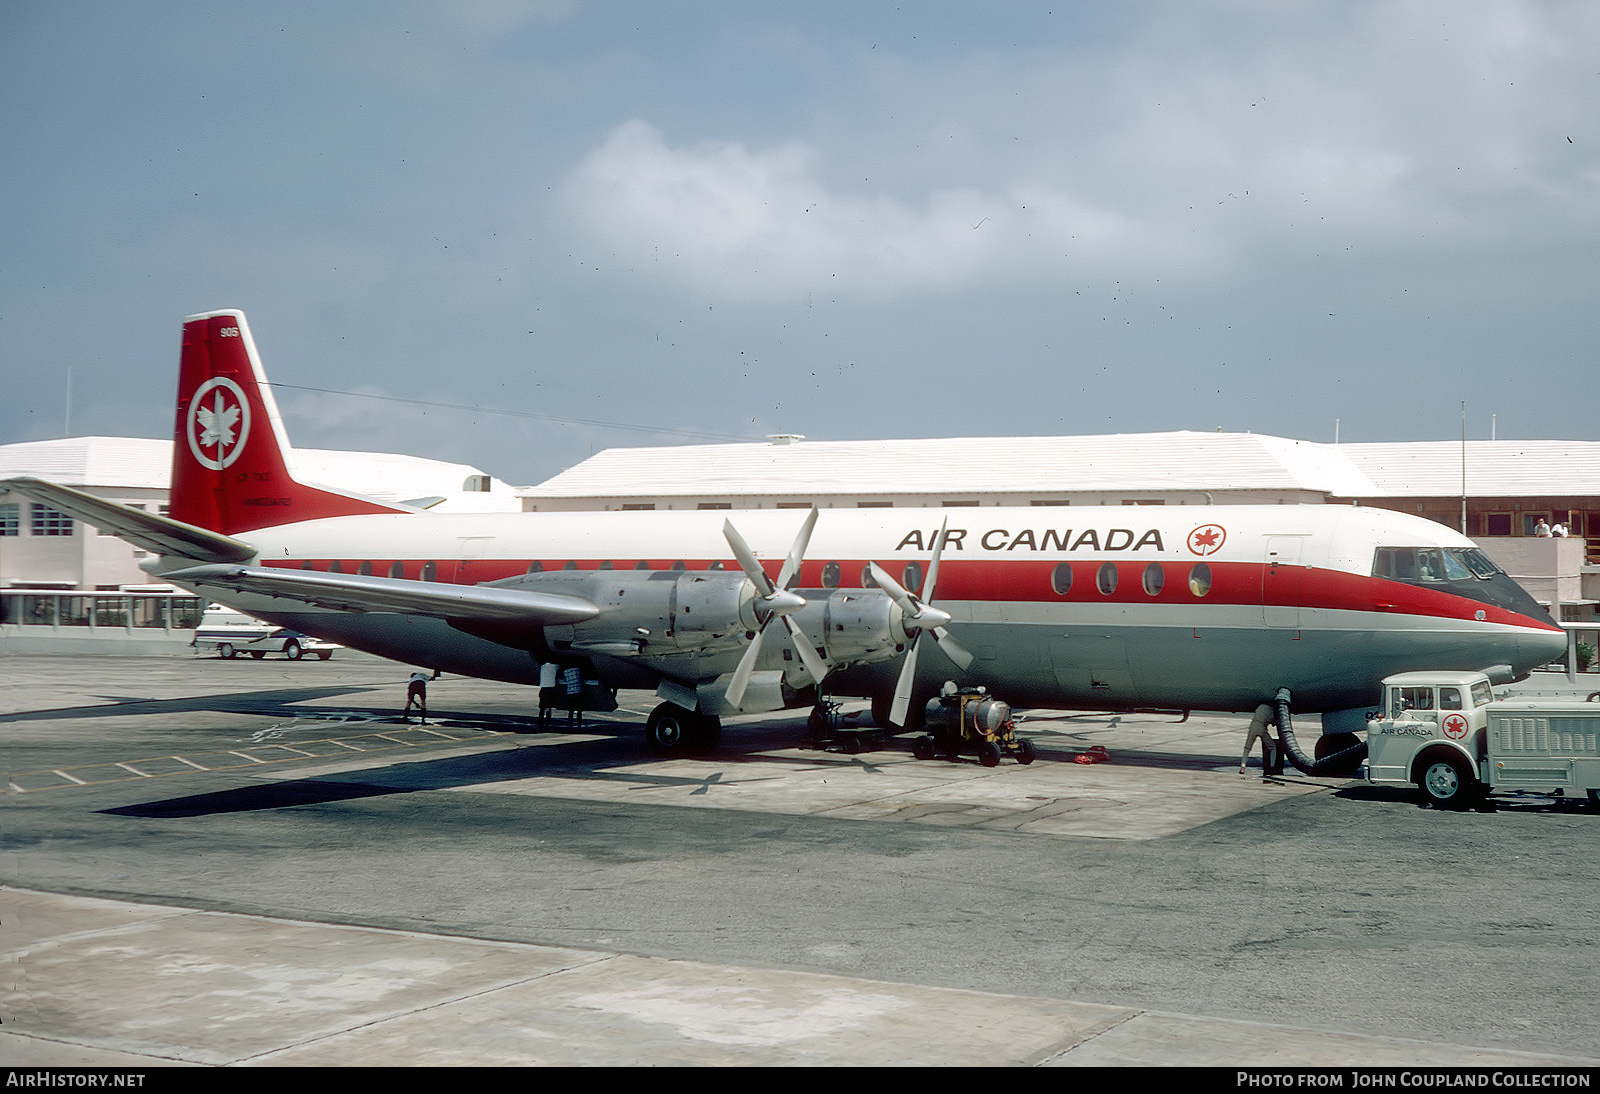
(1216,608)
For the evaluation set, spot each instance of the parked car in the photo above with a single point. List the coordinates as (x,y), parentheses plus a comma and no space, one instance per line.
(231,633)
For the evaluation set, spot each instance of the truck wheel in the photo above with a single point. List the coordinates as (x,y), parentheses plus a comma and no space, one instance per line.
(1025,753)
(226,650)
(291,650)
(1445,780)
(258,654)
(989,754)
(323,655)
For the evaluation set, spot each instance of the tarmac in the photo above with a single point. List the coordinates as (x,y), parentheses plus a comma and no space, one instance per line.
(210,976)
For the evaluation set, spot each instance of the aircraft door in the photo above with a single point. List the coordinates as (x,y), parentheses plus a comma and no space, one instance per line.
(1280,582)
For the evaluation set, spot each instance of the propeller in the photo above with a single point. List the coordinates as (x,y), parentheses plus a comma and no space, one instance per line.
(918,617)
(773,600)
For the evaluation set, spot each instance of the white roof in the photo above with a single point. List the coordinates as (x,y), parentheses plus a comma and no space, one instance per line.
(1121,462)
(1423,469)
(967,465)
(112,463)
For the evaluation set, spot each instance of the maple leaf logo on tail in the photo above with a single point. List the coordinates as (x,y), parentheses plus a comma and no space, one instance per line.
(222,416)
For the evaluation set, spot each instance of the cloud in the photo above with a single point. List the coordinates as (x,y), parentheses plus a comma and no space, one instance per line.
(1196,145)
(762,223)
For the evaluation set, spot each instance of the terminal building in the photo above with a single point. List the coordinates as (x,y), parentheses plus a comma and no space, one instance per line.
(63,582)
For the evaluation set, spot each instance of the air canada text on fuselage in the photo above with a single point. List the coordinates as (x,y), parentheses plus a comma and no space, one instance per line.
(1036,539)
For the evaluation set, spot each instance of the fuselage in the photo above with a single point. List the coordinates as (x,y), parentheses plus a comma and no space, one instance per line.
(1177,607)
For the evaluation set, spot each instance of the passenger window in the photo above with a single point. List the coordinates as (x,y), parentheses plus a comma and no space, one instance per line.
(1200,579)
(911,577)
(397,569)
(867,581)
(430,572)
(365,569)
(1061,578)
(830,576)
(535,566)
(1155,578)
(570,564)
(642,564)
(1106,578)
(336,567)
(1449,698)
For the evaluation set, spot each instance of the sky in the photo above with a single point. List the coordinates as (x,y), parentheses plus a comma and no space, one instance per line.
(512,233)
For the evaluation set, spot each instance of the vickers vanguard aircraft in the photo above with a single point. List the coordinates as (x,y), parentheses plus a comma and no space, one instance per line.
(1188,608)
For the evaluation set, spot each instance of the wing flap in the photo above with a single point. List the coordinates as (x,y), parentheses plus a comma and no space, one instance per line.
(156,533)
(358,593)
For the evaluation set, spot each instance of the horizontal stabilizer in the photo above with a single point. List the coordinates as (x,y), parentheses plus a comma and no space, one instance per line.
(358,593)
(151,531)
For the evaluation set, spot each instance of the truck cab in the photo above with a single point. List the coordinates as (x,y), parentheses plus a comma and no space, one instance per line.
(1430,732)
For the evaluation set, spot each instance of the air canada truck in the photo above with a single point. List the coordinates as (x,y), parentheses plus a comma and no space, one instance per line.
(1445,733)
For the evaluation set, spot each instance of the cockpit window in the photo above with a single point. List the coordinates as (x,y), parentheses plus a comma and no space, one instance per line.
(1476,561)
(1413,564)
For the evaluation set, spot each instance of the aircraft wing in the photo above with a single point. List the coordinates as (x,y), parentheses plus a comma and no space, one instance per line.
(358,593)
(152,531)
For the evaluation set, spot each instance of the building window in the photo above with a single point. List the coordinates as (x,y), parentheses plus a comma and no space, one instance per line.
(476,484)
(45,521)
(10,519)
(637,506)
(715,505)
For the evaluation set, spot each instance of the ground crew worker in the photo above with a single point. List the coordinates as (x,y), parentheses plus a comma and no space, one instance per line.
(1261,729)
(417,692)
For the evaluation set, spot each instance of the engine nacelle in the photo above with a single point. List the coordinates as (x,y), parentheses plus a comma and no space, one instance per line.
(854,626)
(656,612)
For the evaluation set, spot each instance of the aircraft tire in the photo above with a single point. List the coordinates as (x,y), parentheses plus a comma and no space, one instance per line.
(1446,781)
(705,733)
(292,650)
(673,731)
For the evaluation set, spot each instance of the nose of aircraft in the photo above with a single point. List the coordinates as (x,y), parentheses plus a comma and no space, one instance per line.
(1536,648)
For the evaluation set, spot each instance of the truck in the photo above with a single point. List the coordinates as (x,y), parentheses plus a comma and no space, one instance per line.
(1447,734)
(231,633)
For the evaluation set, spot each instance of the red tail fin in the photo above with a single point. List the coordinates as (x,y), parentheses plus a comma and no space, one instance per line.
(231,462)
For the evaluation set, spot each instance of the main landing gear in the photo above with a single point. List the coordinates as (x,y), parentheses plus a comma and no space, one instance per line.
(674,731)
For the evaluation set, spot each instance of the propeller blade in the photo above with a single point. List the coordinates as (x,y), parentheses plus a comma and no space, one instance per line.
(741,675)
(815,665)
(797,552)
(747,559)
(902,686)
(953,649)
(933,563)
(897,592)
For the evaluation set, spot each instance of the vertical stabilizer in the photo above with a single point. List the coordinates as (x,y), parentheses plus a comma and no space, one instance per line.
(232,465)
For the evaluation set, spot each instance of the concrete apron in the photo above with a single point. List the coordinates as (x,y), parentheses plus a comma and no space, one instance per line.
(110,984)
